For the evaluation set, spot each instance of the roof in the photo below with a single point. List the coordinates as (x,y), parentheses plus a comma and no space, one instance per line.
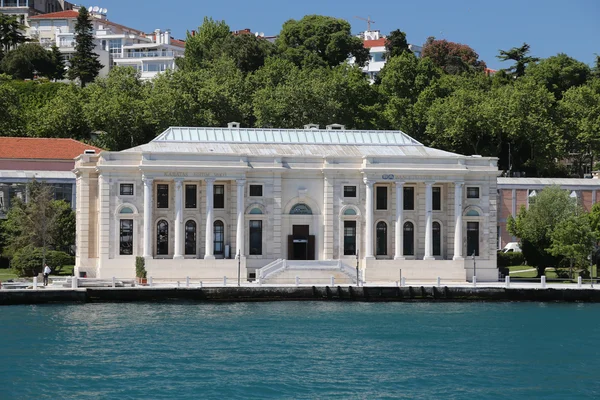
(14,176)
(178,43)
(289,142)
(42,148)
(531,182)
(57,15)
(285,136)
(374,43)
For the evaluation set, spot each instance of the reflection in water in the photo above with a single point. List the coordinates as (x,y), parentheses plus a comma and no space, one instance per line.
(297,350)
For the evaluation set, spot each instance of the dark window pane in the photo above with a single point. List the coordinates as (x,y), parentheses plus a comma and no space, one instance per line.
(437,239)
(126,237)
(301,209)
(256,190)
(472,238)
(162,237)
(190,196)
(349,191)
(437,198)
(219,238)
(126,189)
(381,242)
(409,198)
(256,238)
(219,197)
(190,238)
(381,197)
(409,239)
(349,238)
(162,196)
(472,192)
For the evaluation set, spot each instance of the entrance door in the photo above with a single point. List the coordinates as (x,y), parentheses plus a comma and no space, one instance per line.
(301,245)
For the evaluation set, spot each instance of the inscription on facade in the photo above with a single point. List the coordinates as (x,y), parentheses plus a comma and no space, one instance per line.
(194,174)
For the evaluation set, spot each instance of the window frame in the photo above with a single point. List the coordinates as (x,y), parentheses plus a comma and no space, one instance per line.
(161,255)
(405,198)
(185,200)
(404,239)
(354,189)
(121,184)
(121,220)
(344,236)
(185,238)
(250,232)
(214,239)
(386,199)
(383,246)
(477,248)
(215,196)
(262,189)
(158,186)
(440,193)
(478,192)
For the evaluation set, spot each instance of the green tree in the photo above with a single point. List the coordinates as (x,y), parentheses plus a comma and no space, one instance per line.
(317,41)
(249,52)
(536,225)
(11,117)
(84,64)
(559,73)
(11,33)
(519,55)
(58,64)
(199,46)
(573,239)
(396,44)
(27,61)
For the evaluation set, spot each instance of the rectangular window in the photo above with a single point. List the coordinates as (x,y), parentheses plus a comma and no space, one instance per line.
(349,238)
(437,198)
(126,189)
(162,196)
(190,196)
(472,192)
(114,46)
(256,190)
(472,238)
(409,198)
(126,237)
(349,191)
(381,197)
(255,238)
(219,196)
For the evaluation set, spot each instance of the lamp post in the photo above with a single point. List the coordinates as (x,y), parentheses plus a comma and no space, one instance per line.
(474,265)
(239,257)
(357,281)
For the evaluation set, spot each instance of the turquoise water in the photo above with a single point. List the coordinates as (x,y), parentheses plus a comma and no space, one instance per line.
(300,350)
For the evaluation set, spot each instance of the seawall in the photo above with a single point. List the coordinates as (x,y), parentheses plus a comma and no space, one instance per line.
(257,294)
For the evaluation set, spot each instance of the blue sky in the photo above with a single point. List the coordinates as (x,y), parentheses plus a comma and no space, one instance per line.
(549,26)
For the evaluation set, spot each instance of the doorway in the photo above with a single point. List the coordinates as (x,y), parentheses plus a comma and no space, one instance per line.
(301,244)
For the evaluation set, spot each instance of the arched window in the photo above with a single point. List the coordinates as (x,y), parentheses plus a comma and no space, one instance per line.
(472,213)
(301,209)
(126,210)
(409,239)
(162,237)
(350,211)
(219,238)
(437,239)
(190,238)
(126,237)
(255,210)
(381,242)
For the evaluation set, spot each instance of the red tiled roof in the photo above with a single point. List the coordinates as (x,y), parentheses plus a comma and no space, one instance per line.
(374,43)
(42,148)
(59,14)
(178,43)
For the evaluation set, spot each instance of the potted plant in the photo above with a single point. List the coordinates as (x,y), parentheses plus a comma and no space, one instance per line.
(140,270)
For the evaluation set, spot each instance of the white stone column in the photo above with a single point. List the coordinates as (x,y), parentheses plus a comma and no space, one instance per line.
(458,222)
(178,248)
(428,221)
(239,237)
(148,225)
(399,221)
(208,244)
(369,219)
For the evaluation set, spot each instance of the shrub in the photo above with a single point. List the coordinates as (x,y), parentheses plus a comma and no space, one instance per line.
(508,259)
(29,260)
(140,267)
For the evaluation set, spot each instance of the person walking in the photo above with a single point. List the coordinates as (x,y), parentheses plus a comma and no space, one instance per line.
(47,271)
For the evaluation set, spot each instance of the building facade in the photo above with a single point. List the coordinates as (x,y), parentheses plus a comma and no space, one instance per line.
(193,199)
(116,44)
(46,160)
(515,193)
(24,9)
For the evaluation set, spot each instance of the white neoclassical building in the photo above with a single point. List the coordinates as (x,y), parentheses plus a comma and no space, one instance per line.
(193,199)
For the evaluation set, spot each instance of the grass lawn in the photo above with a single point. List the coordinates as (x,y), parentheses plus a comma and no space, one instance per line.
(6,274)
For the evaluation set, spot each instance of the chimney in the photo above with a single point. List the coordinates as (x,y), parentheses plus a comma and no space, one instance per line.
(157,35)
(167,37)
(193,33)
(233,125)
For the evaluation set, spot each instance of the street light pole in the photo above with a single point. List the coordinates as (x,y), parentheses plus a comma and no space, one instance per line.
(357,281)
(474,265)
(239,267)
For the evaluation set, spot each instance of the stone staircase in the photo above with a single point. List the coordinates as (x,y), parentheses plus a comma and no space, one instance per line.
(308,272)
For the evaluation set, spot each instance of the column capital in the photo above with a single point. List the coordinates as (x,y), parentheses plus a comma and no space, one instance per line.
(399,183)
(368,182)
(178,182)
(430,183)
(147,181)
(241,182)
(459,183)
(209,180)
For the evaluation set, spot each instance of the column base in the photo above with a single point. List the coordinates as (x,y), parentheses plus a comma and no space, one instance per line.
(399,258)
(177,257)
(210,258)
(148,257)
(458,258)
(428,258)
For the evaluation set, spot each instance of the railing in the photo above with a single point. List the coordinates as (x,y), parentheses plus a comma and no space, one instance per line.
(315,265)
(145,54)
(270,269)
